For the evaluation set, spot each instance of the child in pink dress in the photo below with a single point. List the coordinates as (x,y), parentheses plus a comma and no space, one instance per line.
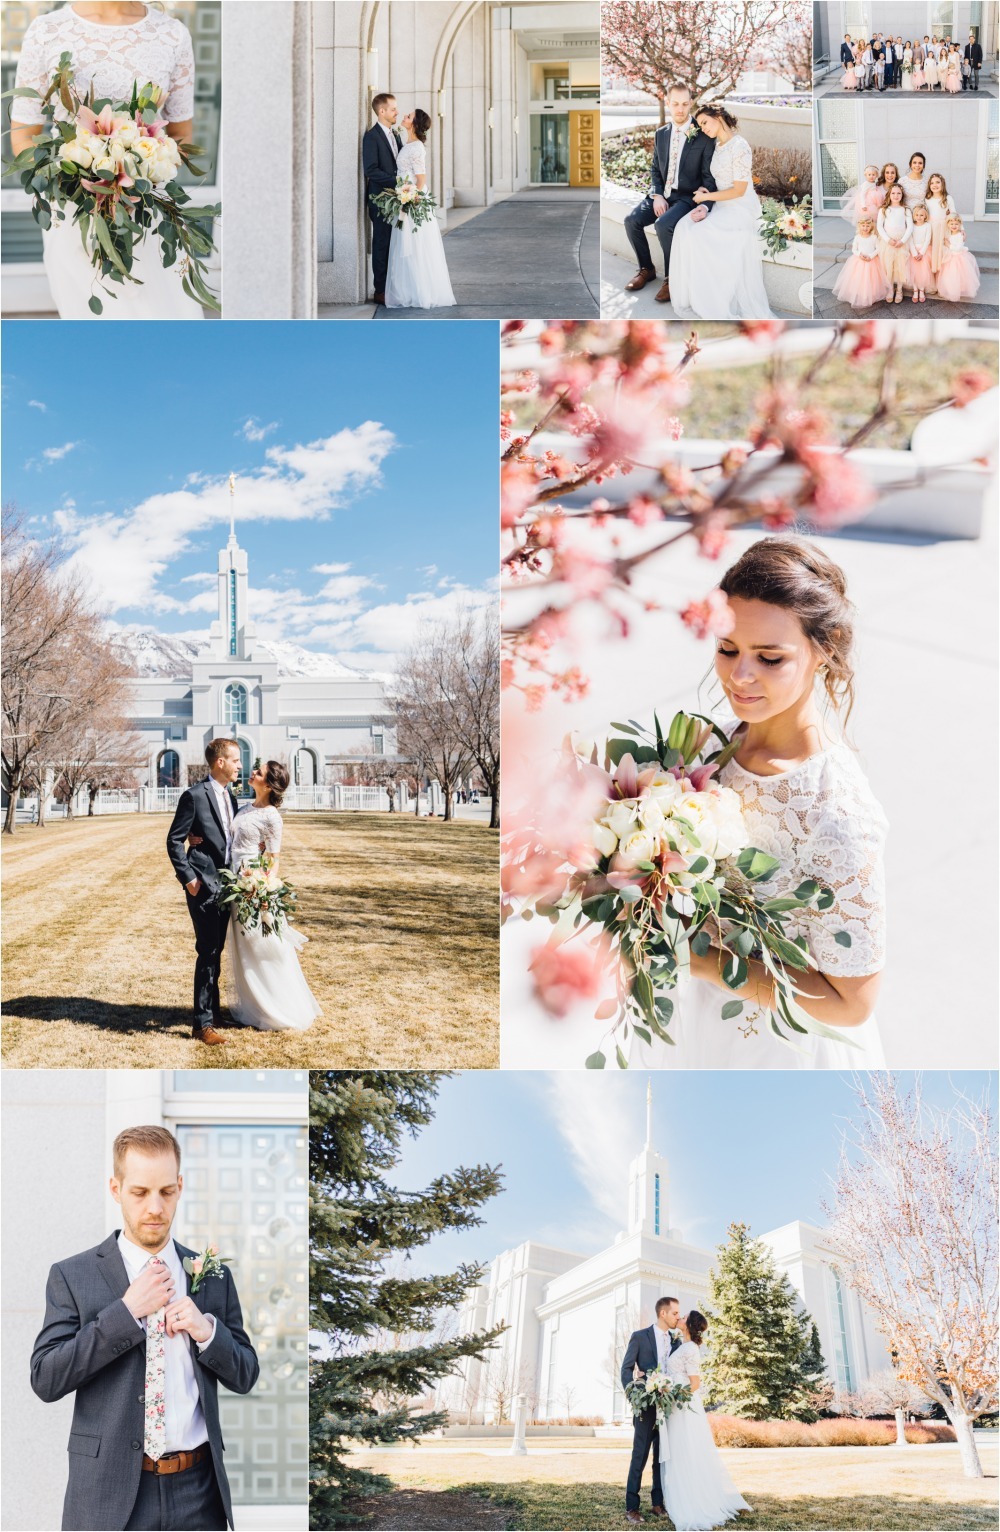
(958,277)
(940,207)
(865,200)
(862,283)
(894,225)
(921,273)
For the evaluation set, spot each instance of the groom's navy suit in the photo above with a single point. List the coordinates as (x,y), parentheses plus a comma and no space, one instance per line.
(198,813)
(379,164)
(91,1346)
(694,169)
(642,1352)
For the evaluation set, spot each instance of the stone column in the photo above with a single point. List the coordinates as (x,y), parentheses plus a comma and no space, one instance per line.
(517,1446)
(269,209)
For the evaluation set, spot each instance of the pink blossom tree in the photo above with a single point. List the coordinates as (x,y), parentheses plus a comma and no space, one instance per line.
(786,46)
(913,1227)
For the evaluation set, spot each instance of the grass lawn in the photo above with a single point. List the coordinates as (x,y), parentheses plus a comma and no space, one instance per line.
(403,953)
(823,1489)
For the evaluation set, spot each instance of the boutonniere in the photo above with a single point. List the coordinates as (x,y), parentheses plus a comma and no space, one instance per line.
(208,1264)
(692,132)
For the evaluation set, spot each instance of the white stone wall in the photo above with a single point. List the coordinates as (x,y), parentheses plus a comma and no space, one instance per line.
(909,19)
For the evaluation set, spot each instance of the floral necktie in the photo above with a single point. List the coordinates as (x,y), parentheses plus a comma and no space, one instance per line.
(155,1437)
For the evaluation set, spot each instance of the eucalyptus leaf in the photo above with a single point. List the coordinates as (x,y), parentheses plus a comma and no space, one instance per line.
(595,1060)
(731,1008)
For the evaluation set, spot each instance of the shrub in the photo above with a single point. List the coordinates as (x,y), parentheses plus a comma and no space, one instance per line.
(782,173)
(730,1431)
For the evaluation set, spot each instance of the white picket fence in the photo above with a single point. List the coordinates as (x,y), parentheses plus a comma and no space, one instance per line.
(163,800)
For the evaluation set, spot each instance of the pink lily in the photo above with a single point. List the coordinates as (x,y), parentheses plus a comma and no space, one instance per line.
(700,775)
(154,129)
(102,125)
(627,778)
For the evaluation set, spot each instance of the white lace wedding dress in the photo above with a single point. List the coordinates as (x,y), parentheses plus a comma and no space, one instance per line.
(821,820)
(155,48)
(715,265)
(697,1491)
(268,988)
(418,270)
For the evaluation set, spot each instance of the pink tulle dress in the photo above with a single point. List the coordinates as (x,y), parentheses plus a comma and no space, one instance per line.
(940,213)
(849,82)
(921,271)
(953,82)
(862,281)
(958,277)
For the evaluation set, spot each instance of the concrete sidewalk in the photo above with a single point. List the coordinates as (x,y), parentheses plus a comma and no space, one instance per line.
(535,255)
(832,244)
(618,304)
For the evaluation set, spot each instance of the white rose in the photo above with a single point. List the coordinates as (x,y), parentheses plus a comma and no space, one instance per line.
(77,152)
(651,816)
(664,788)
(147,148)
(691,807)
(105,163)
(639,846)
(621,816)
(727,818)
(128,134)
(604,839)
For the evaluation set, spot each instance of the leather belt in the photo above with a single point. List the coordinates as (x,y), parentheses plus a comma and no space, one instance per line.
(174,1462)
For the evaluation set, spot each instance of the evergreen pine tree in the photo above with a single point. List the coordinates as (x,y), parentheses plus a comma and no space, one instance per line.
(764,1360)
(361,1391)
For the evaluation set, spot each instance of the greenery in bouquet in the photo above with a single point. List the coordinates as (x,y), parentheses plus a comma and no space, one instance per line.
(113,167)
(257,896)
(404,200)
(657,1390)
(782,225)
(669,871)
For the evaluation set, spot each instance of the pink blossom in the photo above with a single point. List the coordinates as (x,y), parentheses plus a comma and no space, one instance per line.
(712,615)
(968,385)
(712,536)
(565,974)
(776,513)
(761,330)
(196,1265)
(642,511)
(838,491)
(518,488)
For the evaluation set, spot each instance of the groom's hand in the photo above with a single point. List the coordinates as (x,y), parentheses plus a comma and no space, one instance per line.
(194,887)
(184,1315)
(152,1289)
(659,206)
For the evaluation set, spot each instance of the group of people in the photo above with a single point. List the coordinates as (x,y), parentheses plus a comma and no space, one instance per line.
(907,234)
(936,63)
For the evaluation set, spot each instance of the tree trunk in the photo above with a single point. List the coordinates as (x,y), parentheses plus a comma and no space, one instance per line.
(662,104)
(493,783)
(10,817)
(447,802)
(41,808)
(901,1429)
(962,1426)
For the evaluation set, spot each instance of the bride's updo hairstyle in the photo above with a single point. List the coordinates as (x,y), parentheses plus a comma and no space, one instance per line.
(697,1325)
(421,124)
(277,778)
(720,113)
(797,576)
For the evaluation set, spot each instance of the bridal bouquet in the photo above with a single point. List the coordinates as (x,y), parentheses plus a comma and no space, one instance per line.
(258,896)
(670,871)
(666,1394)
(405,200)
(113,164)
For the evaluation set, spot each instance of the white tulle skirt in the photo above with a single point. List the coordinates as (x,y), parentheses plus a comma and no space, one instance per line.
(267,988)
(716,270)
(697,1490)
(73,282)
(418,270)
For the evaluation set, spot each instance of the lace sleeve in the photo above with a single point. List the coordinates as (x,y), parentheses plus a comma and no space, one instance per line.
(845,853)
(690,1359)
(272,831)
(32,74)
(179,105)
(742,165)
(419,159)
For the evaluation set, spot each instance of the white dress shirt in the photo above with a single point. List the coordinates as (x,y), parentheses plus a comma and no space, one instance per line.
(662,1348)
(184,1422)
(678,138)
(390,135)
(224,804)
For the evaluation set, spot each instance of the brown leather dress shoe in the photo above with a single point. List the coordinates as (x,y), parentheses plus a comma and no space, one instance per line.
(657,1510)
(663,296)
(379,298)
(643,275)
(633,1518)
(210,1036)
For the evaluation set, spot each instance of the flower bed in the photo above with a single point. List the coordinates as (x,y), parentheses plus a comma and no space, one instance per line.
(730,1431)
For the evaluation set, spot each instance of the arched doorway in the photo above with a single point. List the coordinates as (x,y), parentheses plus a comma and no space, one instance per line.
(246,767)
(305,768)
(168,769)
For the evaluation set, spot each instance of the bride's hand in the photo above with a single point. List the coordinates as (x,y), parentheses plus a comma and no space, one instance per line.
(196,840)
(701,195)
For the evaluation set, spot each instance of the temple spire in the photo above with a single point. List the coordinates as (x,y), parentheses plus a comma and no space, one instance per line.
(232,510)
(649,1112)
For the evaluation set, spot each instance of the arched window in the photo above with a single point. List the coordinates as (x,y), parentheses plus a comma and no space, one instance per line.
(234,703)
(305,768)
(168,769)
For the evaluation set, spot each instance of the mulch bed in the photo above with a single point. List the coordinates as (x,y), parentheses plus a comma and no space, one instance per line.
(426,1510)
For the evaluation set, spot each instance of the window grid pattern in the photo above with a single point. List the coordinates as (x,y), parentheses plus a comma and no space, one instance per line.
(235,703)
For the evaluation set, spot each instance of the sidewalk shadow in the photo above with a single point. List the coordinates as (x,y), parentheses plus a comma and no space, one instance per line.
(114,1018)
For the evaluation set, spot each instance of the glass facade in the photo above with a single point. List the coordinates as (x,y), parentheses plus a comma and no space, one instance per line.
(550,149)
(656,1204)
(993,160)
(236,703)
(837,127)
(168,771)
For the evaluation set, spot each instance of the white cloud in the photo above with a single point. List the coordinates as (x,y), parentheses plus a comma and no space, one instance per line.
(252,431)
(36,404)
(603,1129)
(392,626)
(329,569)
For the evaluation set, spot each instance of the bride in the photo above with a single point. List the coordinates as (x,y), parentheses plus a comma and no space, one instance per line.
(715,262)
(418,271)
(113,47)
(697,1491)
(269,990)
(805,801)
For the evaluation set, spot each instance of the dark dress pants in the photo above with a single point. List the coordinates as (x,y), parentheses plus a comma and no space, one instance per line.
(645,1434)
(640,219)
(381,236)
(210,924)
(179,1502)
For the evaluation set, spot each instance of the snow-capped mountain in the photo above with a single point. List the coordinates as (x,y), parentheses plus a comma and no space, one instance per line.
(162,654)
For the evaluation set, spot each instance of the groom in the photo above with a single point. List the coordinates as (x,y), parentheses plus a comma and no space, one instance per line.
(144,1356)
(205,813)
(648,1349)
(682,160)
(379,151)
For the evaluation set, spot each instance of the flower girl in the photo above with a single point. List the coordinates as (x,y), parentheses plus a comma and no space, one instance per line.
(953,79)
(865,200)
(921,273)
(941,208)
(862,283)
(958,277)
(895,225)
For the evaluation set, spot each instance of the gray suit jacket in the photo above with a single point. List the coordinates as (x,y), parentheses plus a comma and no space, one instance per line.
(92,1346)
(642,1352)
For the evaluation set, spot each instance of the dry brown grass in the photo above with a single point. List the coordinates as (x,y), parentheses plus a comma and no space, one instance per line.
(403,952)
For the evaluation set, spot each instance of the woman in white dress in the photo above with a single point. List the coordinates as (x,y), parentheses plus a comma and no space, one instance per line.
(914,183)
(697,1490)
(418,270)
(268,988)
(113,47)
(716,270)
(806,802)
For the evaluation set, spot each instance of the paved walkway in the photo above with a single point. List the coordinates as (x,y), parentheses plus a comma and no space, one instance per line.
(535,255)
(832,246)
(830,86)
(618,304)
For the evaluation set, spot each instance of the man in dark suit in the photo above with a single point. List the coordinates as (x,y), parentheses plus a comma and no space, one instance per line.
(847,50)
(682,159)
(648,1349)
(206,812)
(144,1356)
(974,53)
(379,150)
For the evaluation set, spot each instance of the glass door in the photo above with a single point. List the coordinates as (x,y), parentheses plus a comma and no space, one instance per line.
(550,148)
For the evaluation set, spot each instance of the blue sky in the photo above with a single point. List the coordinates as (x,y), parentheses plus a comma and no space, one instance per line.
(754,1146)
(365,455)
